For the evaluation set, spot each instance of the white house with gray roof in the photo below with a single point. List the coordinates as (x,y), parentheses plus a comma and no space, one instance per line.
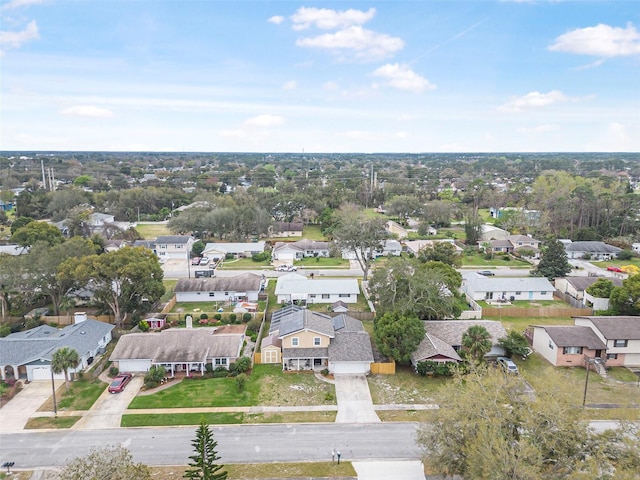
(240,288)
(479,287)
(294,287)
(27,355)
(593,250)
(235,249)
(170,247)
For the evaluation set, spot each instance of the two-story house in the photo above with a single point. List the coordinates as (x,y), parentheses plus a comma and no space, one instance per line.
(621,335)
(169,247)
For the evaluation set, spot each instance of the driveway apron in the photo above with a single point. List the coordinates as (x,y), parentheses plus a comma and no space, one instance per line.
(405,470)
(15,414)
(354,399)
(107,411)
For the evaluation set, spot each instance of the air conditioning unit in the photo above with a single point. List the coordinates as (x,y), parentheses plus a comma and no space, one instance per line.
(512,298)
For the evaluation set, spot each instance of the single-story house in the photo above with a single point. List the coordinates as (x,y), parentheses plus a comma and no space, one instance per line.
(177,350)
(567,345)
(241,288)
(593,250)
(503,289)
(512,244)
(293,287)
(288,229)
(491,232)
(290,251)
(394,228)
(443,340)
(27,355)
(620,334)
(237,250)
(389,248)
(576,287)
(170,247)
(311,340)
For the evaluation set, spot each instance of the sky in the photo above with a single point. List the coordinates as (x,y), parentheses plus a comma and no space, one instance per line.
(320,77)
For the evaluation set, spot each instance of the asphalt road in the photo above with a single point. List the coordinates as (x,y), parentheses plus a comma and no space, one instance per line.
(236,444)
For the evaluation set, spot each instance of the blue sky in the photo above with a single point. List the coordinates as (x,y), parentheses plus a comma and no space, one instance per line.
(281,76)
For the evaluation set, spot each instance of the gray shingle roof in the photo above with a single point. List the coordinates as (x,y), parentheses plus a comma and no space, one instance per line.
(617,327)
(41,342)
(177,345)
(480,283)
(316,352)
(574,336)
(351,347)
(172,239)
(246,282)
(285,286)
(451,331)
(594,247)
(430,347)
(306,320)
(582,283)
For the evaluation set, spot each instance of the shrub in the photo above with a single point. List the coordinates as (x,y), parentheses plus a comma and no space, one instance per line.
(220,372)
(586,256)
(232,317)
(241,381)
(246,317)
(154,376)
(5,330)
(217,316)
(507,258)
(325,371)
(261,257)
(113,371)
(625,255)
(488,256)
(241,365)
(143,325)
(204,316)
(254,325)
(253,336)
(426,367)
(229,256)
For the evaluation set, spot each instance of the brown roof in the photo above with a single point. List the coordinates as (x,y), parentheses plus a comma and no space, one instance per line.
(432,346)
(230,329)
(246,282)
(451,331)
(617,327)
(574,336)
(288,227)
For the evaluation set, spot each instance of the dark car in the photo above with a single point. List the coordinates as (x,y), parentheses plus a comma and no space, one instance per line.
(486,273)
(119,382)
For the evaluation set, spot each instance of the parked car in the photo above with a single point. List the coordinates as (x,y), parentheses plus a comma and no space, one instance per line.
(286,268)
(119,382)
(196,260)
(613,268)
(204,260)
(507,365)
(486,273)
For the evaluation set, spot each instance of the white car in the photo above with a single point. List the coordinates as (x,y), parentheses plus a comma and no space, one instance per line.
(507,365)
(204,260)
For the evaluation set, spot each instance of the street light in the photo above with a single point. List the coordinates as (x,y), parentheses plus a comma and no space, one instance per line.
(590,361)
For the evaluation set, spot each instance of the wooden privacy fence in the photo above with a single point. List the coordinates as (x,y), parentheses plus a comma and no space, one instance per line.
(497,312)
(388,368)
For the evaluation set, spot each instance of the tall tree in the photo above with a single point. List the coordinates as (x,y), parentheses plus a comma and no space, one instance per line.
(203,463)
(476,342)
(625,300)
(553,263)
(363,236)
(398,335)
(444,252)
(107,463)
(494,431)
(121,279)
(64,359)
(34,232)
(472,228)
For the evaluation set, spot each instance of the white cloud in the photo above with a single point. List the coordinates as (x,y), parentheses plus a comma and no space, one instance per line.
(403,78)
(402,134)
(16,39)
(327,19)
(540,129)
(19,3)
(534,100)
(601,40)
(265,120)
(277,19)
(87,111)
(366,44)
(331,86)
(290,85)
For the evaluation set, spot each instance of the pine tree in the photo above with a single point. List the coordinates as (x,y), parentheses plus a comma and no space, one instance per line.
(203,465)
(553,263)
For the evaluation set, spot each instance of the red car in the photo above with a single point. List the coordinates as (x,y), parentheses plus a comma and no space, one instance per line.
(613,268)
(119,382)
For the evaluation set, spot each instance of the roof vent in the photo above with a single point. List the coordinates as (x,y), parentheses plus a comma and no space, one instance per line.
(83,333)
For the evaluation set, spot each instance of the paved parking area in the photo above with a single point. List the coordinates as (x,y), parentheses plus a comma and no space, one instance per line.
(15,414)
(107,411)
(354,399)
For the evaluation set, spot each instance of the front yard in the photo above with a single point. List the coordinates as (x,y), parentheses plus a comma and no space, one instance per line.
(82,395)
(478,260)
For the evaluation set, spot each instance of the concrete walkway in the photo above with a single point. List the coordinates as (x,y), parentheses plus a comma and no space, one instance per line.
(16,413)
(354,399)
(404,470)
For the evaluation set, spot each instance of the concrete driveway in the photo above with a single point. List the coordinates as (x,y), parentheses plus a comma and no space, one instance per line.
(107,411)
(406,470)
(354,399)
(15,414)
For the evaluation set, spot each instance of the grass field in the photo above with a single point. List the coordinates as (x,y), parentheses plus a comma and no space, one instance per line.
(51,422)
(82,395)
(169,285)
(478,260)
(243,264)
(148,420)
(150,231)
(268,470)
(320,262)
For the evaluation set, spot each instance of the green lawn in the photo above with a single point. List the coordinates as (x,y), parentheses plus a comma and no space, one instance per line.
(313,232)
(148,420)
(622,374)
(406,387)
(243,264)
(267,470)
(478,260)
(267,385)
(150,231)
(519,324)
(169,285)
(51,422)
(320,262)
(81,395)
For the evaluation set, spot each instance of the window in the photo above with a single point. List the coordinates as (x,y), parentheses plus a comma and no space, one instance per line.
(620,343)
(226,293)
(295,341)
(572,350)
(612,356)
(543,293)
(178,246)
(316,341)
(550,344)
(221,362)
(344,295)
(211,294)
(312,295)
(326,295)
(518,293)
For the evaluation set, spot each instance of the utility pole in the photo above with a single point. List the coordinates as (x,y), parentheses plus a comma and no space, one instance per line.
(44,179)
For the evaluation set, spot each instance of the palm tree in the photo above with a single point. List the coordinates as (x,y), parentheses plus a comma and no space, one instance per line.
(63,359)
(67,303)
(476,342)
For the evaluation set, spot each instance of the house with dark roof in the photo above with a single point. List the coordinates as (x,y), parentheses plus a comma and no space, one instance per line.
(314,341)
(567,345)
(27,355)
(621,334)
(185,350)
(290,251)
(169,247)
(443,340)
(513,244)
(240,288)
(288,229)
(576,287)
(592,250)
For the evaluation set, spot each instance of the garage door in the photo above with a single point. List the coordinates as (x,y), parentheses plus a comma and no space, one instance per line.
(632,359)
(134,365)
(350,367)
